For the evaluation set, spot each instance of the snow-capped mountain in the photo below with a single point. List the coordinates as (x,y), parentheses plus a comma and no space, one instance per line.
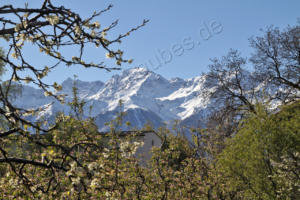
(146,96)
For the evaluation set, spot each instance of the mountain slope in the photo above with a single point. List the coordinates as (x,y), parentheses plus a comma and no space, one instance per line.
(146,97)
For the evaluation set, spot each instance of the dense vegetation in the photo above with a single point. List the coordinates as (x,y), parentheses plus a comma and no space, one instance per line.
(248,149)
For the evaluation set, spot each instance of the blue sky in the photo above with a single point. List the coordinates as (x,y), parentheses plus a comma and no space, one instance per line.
(174,25)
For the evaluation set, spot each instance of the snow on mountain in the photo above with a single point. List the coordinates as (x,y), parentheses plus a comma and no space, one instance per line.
(146,97)
(85,89)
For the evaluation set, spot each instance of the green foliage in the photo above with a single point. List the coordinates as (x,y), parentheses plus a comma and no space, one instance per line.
(248,161)
(260,162)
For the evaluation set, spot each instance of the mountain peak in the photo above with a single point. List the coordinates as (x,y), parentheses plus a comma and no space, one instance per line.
(138,70)
(85,88)
(144,93)
(135,72)
(68,82)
